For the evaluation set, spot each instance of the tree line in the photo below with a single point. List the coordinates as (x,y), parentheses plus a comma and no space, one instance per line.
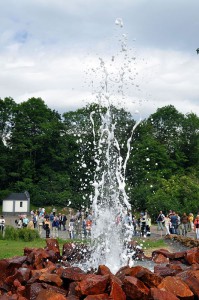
(52,155)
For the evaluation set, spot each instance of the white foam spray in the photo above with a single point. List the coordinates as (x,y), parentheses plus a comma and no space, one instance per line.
(110,202)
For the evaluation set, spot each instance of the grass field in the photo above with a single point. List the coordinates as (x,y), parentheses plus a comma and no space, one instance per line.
(11,248)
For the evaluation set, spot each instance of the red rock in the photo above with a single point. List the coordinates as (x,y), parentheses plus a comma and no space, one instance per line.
(177,268)
(160,258)
(157,294)
(103,270)
(164,271)
(72,288)
(127,271)
(32,290)
(98,297)
(72,297)
(176,286)
(73,273)
(93,285)
(122,272)
(164,252)
(135,288)
(113,278)
(191,278)
(16,283)
(149,278)
(195,267)
(52,244)
(49,295)
(37,258)
(178,255)
(22,275)
(51,278)
(192,256)
(8,266)
(117,292)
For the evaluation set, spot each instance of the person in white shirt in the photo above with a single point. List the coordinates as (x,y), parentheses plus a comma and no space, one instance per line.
(2,224)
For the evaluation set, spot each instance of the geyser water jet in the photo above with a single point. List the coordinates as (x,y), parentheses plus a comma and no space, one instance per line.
(110,201)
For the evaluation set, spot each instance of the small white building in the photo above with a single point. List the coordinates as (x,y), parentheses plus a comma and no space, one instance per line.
(16,203)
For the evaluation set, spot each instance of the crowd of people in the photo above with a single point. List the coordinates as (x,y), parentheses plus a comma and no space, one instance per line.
(173,223)
(79,224)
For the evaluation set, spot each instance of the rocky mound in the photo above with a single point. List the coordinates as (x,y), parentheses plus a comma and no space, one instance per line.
(46,274)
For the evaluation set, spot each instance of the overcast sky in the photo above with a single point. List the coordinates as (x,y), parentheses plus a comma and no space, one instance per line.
(60,51)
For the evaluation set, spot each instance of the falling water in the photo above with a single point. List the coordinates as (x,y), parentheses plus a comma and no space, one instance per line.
(110,201)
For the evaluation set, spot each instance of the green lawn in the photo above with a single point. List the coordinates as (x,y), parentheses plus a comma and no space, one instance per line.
(11,248)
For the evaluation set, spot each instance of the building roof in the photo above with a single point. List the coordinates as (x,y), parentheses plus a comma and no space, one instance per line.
(18,196)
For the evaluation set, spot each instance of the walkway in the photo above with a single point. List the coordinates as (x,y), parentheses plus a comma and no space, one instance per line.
(10,220)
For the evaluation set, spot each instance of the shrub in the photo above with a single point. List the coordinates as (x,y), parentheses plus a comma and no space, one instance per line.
(24,234)
(11,233)
(27,234)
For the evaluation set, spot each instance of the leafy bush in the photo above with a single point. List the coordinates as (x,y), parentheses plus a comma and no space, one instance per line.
(24,234)
(11,233)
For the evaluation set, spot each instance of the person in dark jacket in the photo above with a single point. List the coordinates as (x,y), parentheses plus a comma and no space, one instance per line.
(55,227)
(184,223)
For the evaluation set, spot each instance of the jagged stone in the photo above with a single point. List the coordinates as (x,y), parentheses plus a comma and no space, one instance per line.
(93,285)
(191,278)
(103,270)
(176,286)
(49,295)
(192,256)
(98,297)
(157,294)
(149,278)
(33,290)
(164,271)
(73,273)
(159,258)
(43,274)
(135,289)
(127,271)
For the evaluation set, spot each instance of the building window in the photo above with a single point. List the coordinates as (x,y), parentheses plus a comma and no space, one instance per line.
(21,203)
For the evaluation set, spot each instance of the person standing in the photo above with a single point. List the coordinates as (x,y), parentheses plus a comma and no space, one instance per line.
(55,227)
(184,223)
(160,221)
(2,224)
(174,223)
(47,227)
(84,227)
(40,224)
(25,221)
(71,228)
(60,220)
(196,226)
(30,225)
(64,219)
(35,219)
(190,224)
(167,222)
(148,225)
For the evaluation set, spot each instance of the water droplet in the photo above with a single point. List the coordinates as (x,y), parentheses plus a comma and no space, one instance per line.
(119,22)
